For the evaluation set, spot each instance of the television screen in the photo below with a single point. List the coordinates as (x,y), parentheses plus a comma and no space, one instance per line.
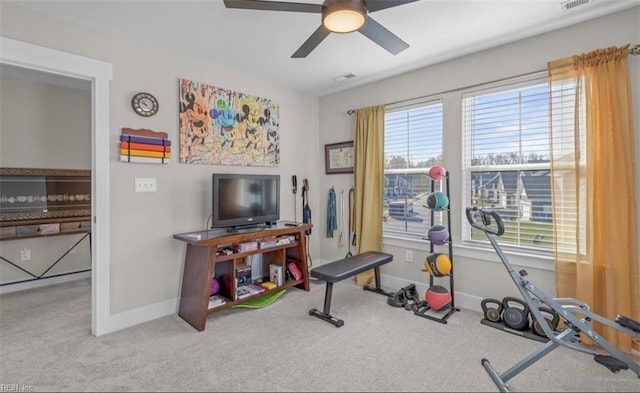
(245,200)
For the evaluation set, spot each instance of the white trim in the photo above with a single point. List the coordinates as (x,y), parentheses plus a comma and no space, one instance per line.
(479,252)
(392,283)
(462,300)
(144,314)
(25,55)
(44,282)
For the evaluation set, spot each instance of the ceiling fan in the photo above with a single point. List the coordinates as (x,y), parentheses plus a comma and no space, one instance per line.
(338,16)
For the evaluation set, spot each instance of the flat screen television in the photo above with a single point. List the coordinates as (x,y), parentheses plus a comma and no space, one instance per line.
(245,200)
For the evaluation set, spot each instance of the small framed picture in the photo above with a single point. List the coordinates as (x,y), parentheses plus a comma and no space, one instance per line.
(338,157)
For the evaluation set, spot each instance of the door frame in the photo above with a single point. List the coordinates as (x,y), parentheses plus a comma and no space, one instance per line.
(99,73)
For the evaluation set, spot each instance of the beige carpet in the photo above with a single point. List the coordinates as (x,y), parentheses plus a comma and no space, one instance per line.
(46,345)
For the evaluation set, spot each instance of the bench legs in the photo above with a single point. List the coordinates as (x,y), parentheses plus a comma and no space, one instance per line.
(325,315)
(377,288)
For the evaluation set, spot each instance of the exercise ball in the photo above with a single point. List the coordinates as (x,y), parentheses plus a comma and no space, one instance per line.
(438,297)
(438,234)
(437,264)
(437,201)
(215,287)
(437,172)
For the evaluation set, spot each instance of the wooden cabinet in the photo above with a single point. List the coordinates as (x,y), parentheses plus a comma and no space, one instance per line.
(38,203)
(75,226)
(206,258)
(44,202)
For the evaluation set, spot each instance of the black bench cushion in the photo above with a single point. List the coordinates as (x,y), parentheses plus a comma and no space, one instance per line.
(344,268)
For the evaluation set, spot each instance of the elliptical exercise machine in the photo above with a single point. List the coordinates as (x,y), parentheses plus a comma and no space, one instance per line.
(574,313)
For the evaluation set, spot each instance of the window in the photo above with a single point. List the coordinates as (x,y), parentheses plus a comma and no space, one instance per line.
(412,144)
(565,94)
(506,161)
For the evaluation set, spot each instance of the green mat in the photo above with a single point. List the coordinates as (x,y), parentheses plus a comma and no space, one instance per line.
(262,301)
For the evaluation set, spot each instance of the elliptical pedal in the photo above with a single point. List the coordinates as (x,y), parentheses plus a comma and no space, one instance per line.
(613,364)
(628,323)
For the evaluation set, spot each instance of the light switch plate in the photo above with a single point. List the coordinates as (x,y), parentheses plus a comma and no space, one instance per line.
(146,184)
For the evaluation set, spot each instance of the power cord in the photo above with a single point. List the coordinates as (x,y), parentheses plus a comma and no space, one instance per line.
(309,260)
(206,227)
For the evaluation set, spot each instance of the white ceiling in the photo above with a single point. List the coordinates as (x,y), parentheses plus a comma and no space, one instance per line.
(260,43)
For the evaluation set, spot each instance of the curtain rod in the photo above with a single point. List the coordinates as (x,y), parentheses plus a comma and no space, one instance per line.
(634,51)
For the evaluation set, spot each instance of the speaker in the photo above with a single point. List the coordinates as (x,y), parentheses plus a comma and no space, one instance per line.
(294,184)
(306,218)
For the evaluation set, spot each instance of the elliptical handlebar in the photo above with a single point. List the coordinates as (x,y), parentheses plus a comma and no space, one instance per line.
(485,216)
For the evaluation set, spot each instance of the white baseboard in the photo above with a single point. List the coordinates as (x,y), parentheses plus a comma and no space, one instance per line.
(140,315)
(43,282)
(462,300)
(393,283)
(148,313)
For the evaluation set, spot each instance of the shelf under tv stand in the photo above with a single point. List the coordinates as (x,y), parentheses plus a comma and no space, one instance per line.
(202,262)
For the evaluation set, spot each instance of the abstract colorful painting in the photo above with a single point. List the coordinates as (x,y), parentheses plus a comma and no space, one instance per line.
(224,127)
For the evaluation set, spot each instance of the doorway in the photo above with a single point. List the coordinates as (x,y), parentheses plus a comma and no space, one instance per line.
(98,74)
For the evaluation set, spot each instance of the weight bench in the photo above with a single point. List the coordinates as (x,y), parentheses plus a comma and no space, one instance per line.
(345,268)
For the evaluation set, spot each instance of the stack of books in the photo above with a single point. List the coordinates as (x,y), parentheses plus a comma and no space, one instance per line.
(245,246)
(275,274)
(248,290)
(285,239)
(255,288)
(216,301)
(255,261)
(268,243)
(144,146)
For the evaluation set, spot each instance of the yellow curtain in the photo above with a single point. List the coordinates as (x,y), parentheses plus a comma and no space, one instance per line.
(593,187)
(368,171)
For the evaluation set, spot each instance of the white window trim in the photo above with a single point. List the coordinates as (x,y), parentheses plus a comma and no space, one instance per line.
(478,252)
(467,243)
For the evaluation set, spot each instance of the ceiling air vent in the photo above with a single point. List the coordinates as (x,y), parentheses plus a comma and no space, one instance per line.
(344,77)
(571,4)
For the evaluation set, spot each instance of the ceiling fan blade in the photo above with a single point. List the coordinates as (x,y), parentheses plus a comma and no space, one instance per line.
(273,6)
(377,5)
(383,37)
(310,44)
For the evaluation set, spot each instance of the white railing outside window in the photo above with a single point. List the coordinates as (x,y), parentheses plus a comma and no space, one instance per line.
(506,161)
(412,144)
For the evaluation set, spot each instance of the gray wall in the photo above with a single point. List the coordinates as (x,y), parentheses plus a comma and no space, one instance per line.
(44,125)
(146,262)
(477,274)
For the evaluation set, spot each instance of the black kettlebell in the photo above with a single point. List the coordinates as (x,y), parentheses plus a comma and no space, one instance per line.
(490,313)
(515,317)
(553,321)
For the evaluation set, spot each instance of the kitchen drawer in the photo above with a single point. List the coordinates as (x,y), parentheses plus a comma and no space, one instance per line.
(37,230)
(75,226)
(7,232)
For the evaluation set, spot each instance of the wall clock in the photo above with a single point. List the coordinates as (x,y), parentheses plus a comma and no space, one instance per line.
(144,104)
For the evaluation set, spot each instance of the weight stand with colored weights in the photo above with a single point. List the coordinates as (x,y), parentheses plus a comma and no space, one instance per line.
(423,309)
(575,315)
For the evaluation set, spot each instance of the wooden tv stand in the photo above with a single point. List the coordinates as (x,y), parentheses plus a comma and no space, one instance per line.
(204,260)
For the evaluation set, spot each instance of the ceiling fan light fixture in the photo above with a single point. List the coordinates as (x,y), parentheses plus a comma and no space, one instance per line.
(344,16)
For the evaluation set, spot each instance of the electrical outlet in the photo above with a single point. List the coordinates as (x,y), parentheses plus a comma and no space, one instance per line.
(146,184)
(25,254)
(408,256)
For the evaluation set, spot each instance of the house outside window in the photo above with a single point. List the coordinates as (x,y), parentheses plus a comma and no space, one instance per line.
(506,161)
(412,145)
